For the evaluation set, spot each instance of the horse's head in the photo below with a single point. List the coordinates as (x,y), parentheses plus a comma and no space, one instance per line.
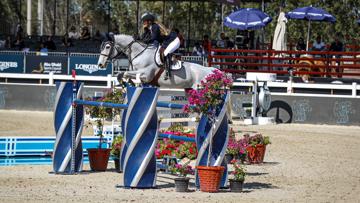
(107,52)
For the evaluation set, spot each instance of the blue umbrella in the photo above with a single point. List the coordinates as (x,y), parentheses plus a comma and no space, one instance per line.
(247,19)
(311,14)
(358,21)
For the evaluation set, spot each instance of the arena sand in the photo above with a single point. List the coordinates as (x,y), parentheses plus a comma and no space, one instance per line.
(304,163)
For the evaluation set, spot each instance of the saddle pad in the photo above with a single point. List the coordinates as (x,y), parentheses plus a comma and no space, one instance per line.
(176,65)
(157,57)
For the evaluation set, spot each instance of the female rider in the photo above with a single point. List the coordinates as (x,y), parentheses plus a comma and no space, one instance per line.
(156,33)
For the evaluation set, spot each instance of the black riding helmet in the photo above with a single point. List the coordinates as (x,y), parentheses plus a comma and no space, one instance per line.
(148,16)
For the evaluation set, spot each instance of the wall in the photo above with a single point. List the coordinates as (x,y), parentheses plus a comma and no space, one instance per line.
(300,109)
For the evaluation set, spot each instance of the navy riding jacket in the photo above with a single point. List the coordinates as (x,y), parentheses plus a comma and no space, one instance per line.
(153,36)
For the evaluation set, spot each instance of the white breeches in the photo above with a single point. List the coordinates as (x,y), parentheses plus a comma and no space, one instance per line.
(175,44)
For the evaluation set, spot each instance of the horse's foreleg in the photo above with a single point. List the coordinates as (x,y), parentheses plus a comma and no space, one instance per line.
(143,74)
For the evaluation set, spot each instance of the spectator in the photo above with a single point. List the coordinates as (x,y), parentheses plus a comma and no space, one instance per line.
(206,43)
(19,43)
(66,41)
(8,43)
(336,45)
(19,30)
(318,45)
(73,34)
(229,43)
(43,50)
(300,46)
(85,34)
(98,36)
(198,50)
(221,42)
(50,44)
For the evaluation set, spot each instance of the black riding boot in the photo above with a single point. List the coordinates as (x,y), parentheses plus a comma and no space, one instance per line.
(167,66)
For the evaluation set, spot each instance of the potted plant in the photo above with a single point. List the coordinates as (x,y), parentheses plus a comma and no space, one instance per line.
(207,101)
(99,157)
(115,151)
(232,150)
(181,182)
(239,173)
(256,147)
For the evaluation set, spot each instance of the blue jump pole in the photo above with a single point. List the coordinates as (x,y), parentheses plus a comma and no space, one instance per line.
(175,137)
(170,105)
(101,104)
(220,140)
(67,155)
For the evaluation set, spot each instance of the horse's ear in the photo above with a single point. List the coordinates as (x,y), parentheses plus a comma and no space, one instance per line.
(110,37)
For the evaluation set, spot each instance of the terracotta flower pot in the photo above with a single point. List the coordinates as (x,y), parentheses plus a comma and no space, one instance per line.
(210,177)
(181,184)
(236,185)
(256,154)
(98,158)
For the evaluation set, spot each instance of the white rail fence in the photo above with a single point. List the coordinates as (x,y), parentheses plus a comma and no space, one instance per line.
(290,88)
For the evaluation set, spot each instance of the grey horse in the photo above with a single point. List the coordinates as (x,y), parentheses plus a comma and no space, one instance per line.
(143,65)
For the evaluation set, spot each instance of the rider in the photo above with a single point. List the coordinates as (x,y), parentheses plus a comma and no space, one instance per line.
(156,33)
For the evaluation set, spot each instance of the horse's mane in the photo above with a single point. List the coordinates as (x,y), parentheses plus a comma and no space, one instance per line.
(143,44)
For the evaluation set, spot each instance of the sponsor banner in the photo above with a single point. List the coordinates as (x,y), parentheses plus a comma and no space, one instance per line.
(85,65)
(11,63)
(46,64)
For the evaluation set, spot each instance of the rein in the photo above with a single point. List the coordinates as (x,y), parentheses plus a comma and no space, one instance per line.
(129,50)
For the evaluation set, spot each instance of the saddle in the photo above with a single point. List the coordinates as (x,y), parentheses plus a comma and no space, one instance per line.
(176,65)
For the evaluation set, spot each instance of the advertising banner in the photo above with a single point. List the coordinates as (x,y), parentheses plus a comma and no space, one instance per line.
(87,65)
(11,63)
(46,64)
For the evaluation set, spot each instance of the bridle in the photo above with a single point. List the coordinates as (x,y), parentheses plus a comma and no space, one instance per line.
(126,50)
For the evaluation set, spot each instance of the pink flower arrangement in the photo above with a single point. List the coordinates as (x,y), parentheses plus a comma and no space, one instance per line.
(182,170)
(179,149)
(209,95)
(239,172)
(237,147)
(179,133)
(232,147)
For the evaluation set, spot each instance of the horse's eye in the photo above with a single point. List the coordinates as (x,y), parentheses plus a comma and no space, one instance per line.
(107,47)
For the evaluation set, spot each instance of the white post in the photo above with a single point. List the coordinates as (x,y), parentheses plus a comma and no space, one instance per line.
(109,77)
(308,37)
(51,78)
(289,89)
(28,18)
(254,99)
(222,17)
(353,92)
(40,12)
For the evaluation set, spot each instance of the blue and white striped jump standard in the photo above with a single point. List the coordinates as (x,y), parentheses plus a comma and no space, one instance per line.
(141,133)
(220,138)
(64,159)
